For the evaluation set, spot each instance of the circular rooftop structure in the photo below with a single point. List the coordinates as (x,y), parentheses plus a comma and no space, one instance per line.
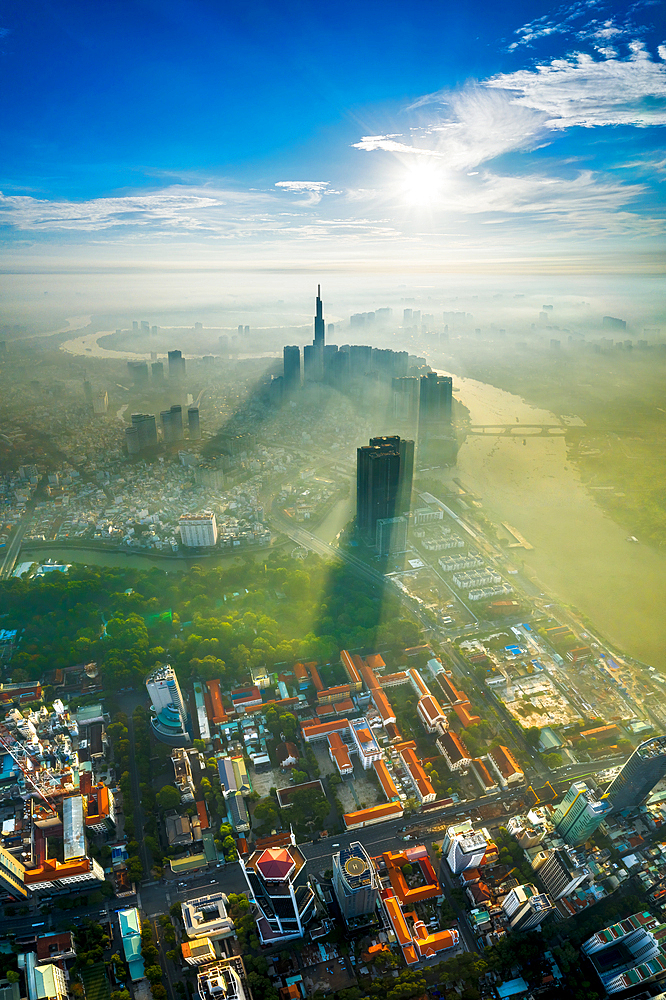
(355,865)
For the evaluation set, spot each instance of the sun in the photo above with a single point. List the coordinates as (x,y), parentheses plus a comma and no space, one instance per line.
(422,183)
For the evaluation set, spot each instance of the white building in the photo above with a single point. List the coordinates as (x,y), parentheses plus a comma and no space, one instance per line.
(207,917)
(526,908)
(170,716)
(222,980)
(198,530)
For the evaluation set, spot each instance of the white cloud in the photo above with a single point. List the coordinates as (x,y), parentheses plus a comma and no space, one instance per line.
(661,51)
(580,90)
(313,190)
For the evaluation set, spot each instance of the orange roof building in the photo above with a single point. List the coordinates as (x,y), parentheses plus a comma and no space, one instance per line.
(431,714)
(375,661)
(465,716)
(313,731)
(375,814)
(314,674)
(395,861)
(217,708)
(420,782)
(349,663)
(386,781)
(506,766)
(339,754)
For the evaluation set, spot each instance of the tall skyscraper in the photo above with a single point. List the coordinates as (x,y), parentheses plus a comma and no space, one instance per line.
(639,775)
(177,421)
(139,371)
(526,907)
(278,882)
(319,325)
(169,722)
(146,430)
(291,355)
(377,484)
(405,400)
(176,365)
(355,882)
(436,440)
(579,814)
(157,370)
(560,872)
(193,423)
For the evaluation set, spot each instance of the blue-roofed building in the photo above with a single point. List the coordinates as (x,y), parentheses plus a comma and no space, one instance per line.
(225,769)
(130,932)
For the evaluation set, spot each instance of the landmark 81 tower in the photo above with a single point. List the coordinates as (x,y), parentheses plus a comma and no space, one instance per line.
(639,775)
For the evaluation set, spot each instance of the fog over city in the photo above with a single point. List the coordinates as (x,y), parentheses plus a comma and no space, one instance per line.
(332,501)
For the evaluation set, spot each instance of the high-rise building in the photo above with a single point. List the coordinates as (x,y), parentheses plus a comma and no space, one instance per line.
(391,535)
(167,430)
(176,411)
(355,881)
(12,875)
(579,814)
(291,355)
(526,907)
(384,470)
(193,423)
(278,883)
(223,980)
(169,722)
(319,325)
(146,430)
(639,775)
(628,953)
(157,372)
(405,400)
(176,365)
(132,440)
(466,850)
(139,371)
(560,872)
(198,530)
(436,439)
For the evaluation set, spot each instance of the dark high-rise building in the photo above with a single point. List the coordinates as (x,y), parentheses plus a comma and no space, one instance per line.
(291,355)
(146,430)
(157,369)
(437,442)
(278,883)
(309,363)
(177,421)
(172,424)
(639,775)
(405,399)
(139,371)
(435,398)
(193,423)
(319,325)
(132,440)
(176,365)
(360,360)
(384,471)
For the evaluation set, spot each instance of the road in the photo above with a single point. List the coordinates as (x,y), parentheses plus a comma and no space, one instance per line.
(14,548)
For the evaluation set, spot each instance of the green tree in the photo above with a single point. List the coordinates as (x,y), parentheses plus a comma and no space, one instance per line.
(168,797)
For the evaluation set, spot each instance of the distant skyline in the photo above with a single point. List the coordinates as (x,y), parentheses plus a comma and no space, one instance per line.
(293,134)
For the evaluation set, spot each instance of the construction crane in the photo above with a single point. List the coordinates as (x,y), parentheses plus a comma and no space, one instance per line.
(21,756)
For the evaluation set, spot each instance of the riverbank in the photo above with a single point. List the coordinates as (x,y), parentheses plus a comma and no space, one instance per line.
(131,558)
(580,555)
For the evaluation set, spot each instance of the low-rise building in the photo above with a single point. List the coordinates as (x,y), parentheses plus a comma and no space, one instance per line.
(207,917)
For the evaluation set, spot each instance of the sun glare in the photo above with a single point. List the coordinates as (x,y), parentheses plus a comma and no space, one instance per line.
(422,183)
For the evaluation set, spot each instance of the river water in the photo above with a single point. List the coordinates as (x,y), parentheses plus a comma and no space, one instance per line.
(580,555)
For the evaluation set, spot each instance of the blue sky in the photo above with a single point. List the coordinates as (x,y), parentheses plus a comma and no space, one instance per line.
(336,133)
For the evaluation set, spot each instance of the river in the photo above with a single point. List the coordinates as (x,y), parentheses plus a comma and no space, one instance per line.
(580,555)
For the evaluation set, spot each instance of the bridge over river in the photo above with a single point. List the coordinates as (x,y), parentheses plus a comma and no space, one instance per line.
(518,430)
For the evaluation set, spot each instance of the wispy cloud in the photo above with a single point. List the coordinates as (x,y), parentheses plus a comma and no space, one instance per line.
(313,190)
(580,90)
